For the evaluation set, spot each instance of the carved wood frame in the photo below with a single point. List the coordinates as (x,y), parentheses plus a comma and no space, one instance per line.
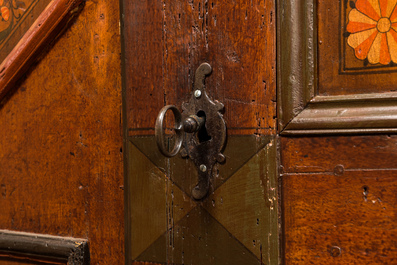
(47,27)
(300,110)
(73,250)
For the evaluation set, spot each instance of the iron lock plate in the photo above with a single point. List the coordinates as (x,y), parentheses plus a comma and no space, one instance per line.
(200,132)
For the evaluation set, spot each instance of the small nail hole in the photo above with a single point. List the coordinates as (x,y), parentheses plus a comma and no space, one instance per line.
(365,190)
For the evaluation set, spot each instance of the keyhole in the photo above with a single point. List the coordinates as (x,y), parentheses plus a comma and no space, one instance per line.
(202,134)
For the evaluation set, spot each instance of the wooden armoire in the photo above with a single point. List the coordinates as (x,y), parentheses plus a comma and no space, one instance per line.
(277,145)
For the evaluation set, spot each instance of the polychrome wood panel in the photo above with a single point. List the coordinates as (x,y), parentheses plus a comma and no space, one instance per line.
(336,72)
(164,43)
(356,47)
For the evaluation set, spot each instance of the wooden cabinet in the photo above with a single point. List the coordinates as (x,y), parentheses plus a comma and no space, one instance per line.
(309,104)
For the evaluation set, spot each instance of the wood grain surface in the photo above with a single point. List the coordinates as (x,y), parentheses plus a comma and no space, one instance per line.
(20,260)
(340,219)
(61,139)
(338,197)
(167,40)
(164,43)
(43,31)
(323,154)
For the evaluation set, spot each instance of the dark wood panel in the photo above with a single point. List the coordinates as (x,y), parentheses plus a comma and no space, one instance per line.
(27,261)
(144,263)
(329,154)
(38,247)
(167,40)
(61,139)
(344,219)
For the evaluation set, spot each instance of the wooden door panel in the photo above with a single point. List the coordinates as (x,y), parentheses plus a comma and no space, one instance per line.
(336,80)
(167,225)
(316,96)
(61,139)
(340,219)
(339,199)
(165,41)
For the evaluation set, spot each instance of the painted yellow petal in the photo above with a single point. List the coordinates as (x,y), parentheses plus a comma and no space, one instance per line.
(357,38)
(369,8)
(374,52)
(356,16)
(392,41)
(375,5)
(5,13)
(359,22)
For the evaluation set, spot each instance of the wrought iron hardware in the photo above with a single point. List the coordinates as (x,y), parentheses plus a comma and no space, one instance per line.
(200,132)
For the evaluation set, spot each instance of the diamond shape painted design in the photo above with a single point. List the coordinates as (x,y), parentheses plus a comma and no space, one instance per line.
(233,224)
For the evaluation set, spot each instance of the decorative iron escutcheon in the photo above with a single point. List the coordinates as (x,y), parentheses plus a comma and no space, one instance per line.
(200,132)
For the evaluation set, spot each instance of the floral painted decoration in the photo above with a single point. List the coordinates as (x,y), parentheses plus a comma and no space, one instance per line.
(11,11)
(4,11)
(373,30)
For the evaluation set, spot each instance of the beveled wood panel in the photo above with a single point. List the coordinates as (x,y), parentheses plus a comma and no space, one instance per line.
(167,41)
(340,219)
(315,95)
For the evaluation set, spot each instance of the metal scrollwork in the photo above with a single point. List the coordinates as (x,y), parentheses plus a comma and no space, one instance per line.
(200,132)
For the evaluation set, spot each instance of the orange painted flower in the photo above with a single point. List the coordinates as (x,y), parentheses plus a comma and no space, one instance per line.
(373,30)
(5,13)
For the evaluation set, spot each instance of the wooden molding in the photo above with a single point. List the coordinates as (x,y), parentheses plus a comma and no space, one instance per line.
(301,111)
(46,28)
(73,250)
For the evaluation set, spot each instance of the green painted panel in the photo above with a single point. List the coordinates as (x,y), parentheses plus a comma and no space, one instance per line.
(154,201)
(235,224)
(245,204)
(199,239)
